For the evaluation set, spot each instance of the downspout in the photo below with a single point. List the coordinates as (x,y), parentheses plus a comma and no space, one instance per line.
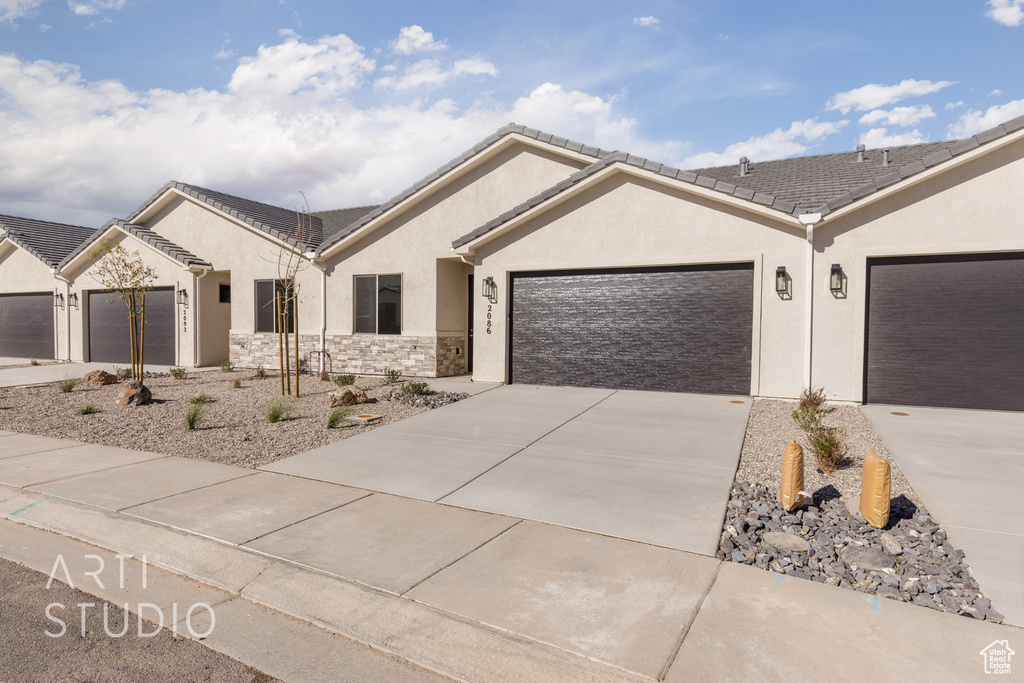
(323,309)
(196,349)
(809,220)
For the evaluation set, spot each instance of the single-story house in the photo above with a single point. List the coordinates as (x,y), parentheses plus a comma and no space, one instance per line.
(890,275)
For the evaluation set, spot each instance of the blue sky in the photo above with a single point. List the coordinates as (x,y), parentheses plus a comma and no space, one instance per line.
(103,101)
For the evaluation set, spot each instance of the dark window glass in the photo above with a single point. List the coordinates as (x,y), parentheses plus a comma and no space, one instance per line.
(266,305)
(225,294)
(389,304)
(366,304)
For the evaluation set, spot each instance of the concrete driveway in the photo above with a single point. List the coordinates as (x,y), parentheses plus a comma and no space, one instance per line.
(968,468)
(647,466)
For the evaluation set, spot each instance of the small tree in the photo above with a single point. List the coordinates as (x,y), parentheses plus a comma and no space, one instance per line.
(125,275)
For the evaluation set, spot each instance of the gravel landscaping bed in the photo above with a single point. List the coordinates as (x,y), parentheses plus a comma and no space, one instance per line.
(911,560)
(233,428)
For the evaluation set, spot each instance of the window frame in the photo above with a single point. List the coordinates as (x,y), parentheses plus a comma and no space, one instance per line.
(278,286)
(376,303)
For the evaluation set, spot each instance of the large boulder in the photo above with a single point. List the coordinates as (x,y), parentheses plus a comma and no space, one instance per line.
(99,378)
(135,393)
(346,396)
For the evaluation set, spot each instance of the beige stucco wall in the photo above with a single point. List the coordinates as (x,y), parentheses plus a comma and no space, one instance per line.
(416,242)
(246,253)
(21,272)
(215,319)
(83,279)
(623,221)
(977,207)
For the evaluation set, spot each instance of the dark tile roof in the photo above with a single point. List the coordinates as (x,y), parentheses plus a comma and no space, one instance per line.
(185,258)
(48,242)
(815,184)
(338,220)
(510,129)
(273,220)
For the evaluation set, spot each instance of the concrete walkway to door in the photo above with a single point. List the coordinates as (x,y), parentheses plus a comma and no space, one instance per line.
(646,466)
(54,372)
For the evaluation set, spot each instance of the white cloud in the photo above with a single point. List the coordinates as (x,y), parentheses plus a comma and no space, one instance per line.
(225,51)
(995,93)
(953,105)
(428,73)
(775,145)
(873,95)
(879,137)
(90,7)
(288,121)
(1006,12)
(898,116)
(973,121)
(413,39)
(646,21)
(15,9)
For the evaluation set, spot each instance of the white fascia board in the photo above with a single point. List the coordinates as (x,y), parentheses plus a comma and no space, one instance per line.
(451,176)
(470,247)
(924,176)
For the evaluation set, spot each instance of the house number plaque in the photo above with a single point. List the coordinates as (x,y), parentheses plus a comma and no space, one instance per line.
(489,307)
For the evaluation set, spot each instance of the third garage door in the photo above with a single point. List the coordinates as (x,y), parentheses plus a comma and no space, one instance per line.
(108,328)
(26,325)
(667,329)
(946,331)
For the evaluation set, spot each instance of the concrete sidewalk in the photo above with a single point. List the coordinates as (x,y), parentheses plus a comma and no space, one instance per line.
(968,468)
(54,372)
(472,595)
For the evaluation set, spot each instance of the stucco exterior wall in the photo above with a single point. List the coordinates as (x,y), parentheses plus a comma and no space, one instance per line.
(624,221)
(975,208)
(215,319)
(416,243)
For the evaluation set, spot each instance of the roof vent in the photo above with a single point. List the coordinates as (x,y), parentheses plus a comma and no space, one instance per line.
(860,153)
(744,166)
(885,157)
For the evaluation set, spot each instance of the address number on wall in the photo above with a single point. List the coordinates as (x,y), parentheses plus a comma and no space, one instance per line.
(489,307)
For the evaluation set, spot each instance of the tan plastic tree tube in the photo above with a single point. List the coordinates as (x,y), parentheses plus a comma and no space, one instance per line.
(875,489)
(791,493)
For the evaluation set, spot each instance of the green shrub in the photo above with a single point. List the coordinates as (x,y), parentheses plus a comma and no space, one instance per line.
(123,373)
(345,380)
(87,409)
(179,373)
(276,411)
(338,416)
(829,447)
(813,399)
(201,400)
(194,414)
(226,366)
(391,375)
(68,384)
(415,388)
(809,419)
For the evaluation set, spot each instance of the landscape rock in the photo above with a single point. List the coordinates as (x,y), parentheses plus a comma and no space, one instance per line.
(866,558)
(346,396)
(783,541)
(99,378)
(134,394)
(890,544)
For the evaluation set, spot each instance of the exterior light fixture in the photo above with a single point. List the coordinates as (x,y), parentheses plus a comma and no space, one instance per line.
(73,300)
(835,281)
(781,287)
(182,297)
(58,300)
(489,290)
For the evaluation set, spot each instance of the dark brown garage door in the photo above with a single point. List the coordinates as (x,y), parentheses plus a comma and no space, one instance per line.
(108,328)
(946,331)
(26,325)
(669,329)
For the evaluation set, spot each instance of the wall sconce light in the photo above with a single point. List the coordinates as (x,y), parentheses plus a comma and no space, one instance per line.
(781,286)
(73,300)
(835,281)
(489,290)
(58,300)
(182,297)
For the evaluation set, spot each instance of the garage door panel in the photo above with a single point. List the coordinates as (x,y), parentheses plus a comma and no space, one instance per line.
(26,325)
(946,332)
(681,329)
(109,340)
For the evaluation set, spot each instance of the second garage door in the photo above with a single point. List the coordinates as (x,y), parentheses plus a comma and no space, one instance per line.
(683,329)
(108,328)
(26,325)
(946,331)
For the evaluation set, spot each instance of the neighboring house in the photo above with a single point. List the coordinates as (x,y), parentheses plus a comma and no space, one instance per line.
(33,303)
(892,276)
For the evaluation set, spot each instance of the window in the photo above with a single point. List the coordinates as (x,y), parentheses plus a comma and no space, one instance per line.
(378,304)
(266,305)
(225,294)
